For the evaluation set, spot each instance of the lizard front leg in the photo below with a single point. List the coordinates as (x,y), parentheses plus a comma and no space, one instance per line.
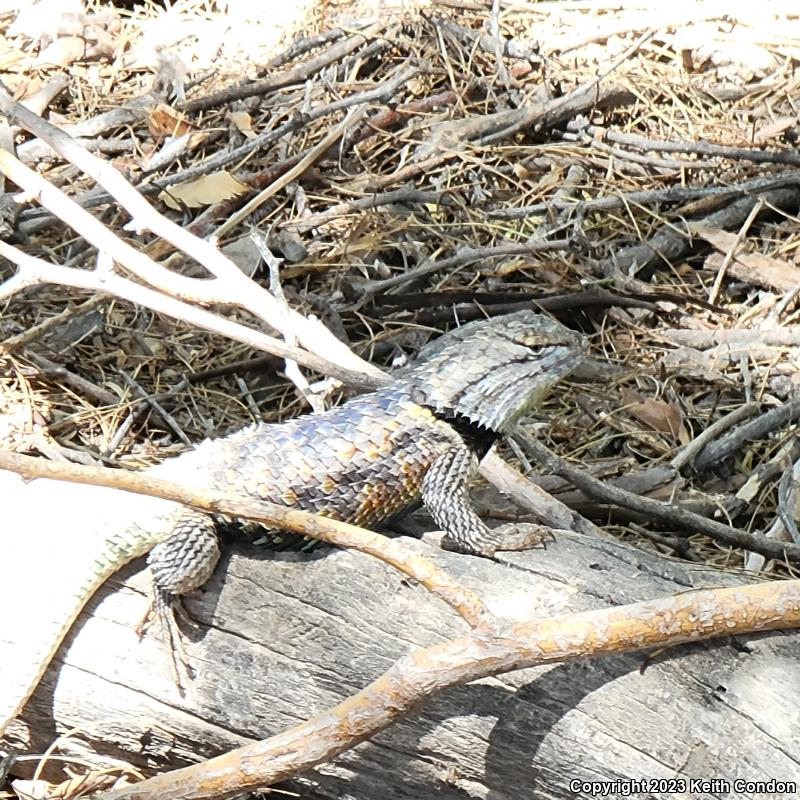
(444,492)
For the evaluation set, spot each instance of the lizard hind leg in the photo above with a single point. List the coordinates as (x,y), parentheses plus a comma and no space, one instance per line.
(180,564)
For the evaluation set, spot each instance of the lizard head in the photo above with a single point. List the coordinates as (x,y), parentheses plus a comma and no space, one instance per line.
(494,371)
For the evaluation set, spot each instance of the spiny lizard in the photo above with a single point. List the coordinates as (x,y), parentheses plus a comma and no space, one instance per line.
(363,462)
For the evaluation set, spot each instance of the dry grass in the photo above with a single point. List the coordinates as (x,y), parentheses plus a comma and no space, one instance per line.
(728,80)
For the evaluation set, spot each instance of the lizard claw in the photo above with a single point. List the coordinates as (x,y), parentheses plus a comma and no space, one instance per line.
(168,609)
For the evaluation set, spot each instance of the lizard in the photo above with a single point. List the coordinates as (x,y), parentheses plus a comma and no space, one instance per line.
(418,438)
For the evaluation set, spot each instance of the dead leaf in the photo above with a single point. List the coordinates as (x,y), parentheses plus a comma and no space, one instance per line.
(521,171)
(164,121)
(203,191)
(772,273)
(656,414)
(243,123)
(416,87)
(716,237)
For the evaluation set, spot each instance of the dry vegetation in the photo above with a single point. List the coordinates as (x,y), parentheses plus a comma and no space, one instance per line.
(624,208)
(632,170)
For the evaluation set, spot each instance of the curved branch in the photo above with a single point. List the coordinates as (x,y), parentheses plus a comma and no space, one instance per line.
(667,621)
(464,602)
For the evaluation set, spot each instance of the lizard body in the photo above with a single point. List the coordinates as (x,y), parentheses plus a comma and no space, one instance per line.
(362,462)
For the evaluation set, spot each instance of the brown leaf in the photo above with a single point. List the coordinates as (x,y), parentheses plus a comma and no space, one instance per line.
(521,171)
(242,121)
(772,273)
(203,191)
(656,414)
(164,121)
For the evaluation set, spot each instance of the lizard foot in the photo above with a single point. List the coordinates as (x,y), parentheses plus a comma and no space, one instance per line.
(167,609)
(512,536)
(172,608)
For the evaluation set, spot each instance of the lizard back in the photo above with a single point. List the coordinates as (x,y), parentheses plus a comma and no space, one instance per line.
(361,462)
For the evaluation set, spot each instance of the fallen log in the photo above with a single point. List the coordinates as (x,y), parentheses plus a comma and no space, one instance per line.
(287,635)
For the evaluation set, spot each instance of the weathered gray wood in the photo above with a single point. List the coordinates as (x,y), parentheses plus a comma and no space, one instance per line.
(287,635)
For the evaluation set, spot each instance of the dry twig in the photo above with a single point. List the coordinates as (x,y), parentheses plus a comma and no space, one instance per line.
(434,579)
(671,515)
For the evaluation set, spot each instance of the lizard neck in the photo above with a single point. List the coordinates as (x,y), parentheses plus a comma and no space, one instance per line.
(478,438)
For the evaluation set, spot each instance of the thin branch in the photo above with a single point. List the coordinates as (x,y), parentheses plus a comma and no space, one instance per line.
(13,343)
(141,265)
(688,520)
(688,452)
(528,495)
(671,194)
(35,271)
(580,95)
(232,285)
(701,148)
(464,602)
(299,74)
(491,128)
(738,239)
(727,445)
(460,259)
(298,169)
(671,241)
(406,194)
